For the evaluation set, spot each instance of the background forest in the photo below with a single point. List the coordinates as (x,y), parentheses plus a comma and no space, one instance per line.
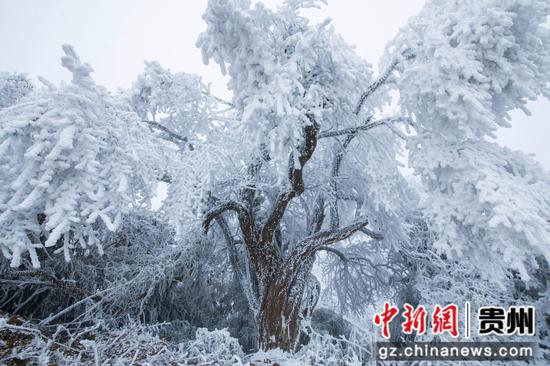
(287,213)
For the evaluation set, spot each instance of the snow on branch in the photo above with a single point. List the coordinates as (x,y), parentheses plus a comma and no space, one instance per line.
(372,234)
(327,237)
(86,167)
(171,135)
(81,71)
(337,252)
(246,221)
(218,210)
(296,180)
(407,55)
(354,130)
(243,277)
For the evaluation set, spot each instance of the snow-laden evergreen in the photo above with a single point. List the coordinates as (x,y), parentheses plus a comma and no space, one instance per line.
(71,159)
(472,67)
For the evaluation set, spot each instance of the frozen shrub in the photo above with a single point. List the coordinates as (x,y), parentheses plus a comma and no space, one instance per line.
(216,347)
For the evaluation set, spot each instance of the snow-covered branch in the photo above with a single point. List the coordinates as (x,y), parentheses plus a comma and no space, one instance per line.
(318,216)
(219,209)
(218,99)
(366,127)
(373,234)
(296,180)
(337,252)
(172,136)
(311,244)
(381,80)
(244,278)
(336,163)
(249,192)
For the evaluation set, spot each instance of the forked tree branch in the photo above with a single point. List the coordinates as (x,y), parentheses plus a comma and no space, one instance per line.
(327,237)
(245,221)
(296,182)
(218,210)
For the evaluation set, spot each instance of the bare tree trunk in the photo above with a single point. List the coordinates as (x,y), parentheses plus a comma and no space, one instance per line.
(279,318)
(281,307)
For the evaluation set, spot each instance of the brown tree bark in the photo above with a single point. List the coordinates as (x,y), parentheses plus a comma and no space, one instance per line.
(279,317)
(282,304)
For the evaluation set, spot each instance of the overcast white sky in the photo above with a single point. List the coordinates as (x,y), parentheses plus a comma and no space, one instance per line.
(116,36)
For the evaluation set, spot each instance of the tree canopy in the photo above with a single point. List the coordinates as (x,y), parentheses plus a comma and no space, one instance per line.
(301,172)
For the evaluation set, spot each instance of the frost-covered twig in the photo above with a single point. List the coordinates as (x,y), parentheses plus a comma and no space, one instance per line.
(353,130)
(381,80)
(244,279)
(173,137)
(327,237)
(37,332)
(372,234)
(217,99)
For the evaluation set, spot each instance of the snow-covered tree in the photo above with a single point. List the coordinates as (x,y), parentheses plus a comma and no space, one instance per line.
(317,143)
(71,157)
(472,67)
(300,169)
(304,101)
